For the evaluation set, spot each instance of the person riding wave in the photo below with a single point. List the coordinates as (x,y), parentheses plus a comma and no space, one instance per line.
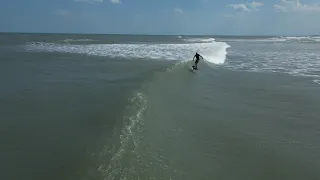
(197,56)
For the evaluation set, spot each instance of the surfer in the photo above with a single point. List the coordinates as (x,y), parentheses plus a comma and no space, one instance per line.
(197,56)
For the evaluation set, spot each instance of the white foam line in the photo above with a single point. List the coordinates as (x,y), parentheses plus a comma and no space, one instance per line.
(115,166)
(199,40)
(214,52)
(78,40)
(305,39)
(317,81)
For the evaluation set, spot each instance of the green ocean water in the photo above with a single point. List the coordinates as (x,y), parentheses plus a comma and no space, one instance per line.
(91,107)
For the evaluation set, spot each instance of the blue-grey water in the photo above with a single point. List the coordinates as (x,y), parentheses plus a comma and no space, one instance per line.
(111,107)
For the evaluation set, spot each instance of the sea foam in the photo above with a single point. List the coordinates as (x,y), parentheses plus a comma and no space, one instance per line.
(212,51)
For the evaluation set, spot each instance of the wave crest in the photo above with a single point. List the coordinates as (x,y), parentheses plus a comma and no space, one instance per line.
(200,40)
(280,39)
(214,52)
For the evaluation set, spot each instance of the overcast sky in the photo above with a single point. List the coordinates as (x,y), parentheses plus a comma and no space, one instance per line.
(213,17)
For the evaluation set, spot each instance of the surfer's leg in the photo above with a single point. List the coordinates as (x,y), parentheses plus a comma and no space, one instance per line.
(196,64)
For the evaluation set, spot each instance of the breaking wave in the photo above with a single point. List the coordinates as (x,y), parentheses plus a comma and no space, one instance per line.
(212,51)
(200,40)
(78,40)
(283,39)
(281,58)
(296,39)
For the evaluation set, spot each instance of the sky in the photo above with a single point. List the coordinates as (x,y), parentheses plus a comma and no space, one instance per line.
(178,17)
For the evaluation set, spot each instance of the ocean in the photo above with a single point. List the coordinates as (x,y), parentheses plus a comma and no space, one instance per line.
(128,107)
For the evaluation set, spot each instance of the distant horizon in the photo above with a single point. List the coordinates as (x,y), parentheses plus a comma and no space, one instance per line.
(151,34)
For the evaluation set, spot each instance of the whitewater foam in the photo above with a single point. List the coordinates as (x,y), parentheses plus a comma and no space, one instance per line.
(280,39)
(281,58)
(214,52)
(316,81)
(129,141)
(200,40)
(78,40)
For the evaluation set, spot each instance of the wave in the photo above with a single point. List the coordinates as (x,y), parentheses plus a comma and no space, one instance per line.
(129,141)
(214,52)
(78,40)
(293,60)
(200,40)
(299,39)
(140,150)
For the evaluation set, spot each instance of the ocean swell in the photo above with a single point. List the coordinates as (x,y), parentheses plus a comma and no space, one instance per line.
(214,52)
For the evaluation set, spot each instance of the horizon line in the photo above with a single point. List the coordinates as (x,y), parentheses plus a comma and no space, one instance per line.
(153,34)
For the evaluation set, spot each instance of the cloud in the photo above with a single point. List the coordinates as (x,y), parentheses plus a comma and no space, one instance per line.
(115,1)
(242,7)
(89,1)
(253,6)
(178,10)
(296,6)
(61,12)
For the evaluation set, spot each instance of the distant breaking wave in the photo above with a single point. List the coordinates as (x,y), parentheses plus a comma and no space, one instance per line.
(200,40)
(212,51)
(298,39)
(78,40)
(288,57)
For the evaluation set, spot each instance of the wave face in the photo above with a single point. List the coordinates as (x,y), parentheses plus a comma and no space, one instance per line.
(212,51)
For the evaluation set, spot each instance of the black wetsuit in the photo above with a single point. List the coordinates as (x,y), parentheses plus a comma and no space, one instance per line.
(197,58)
(195,66)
